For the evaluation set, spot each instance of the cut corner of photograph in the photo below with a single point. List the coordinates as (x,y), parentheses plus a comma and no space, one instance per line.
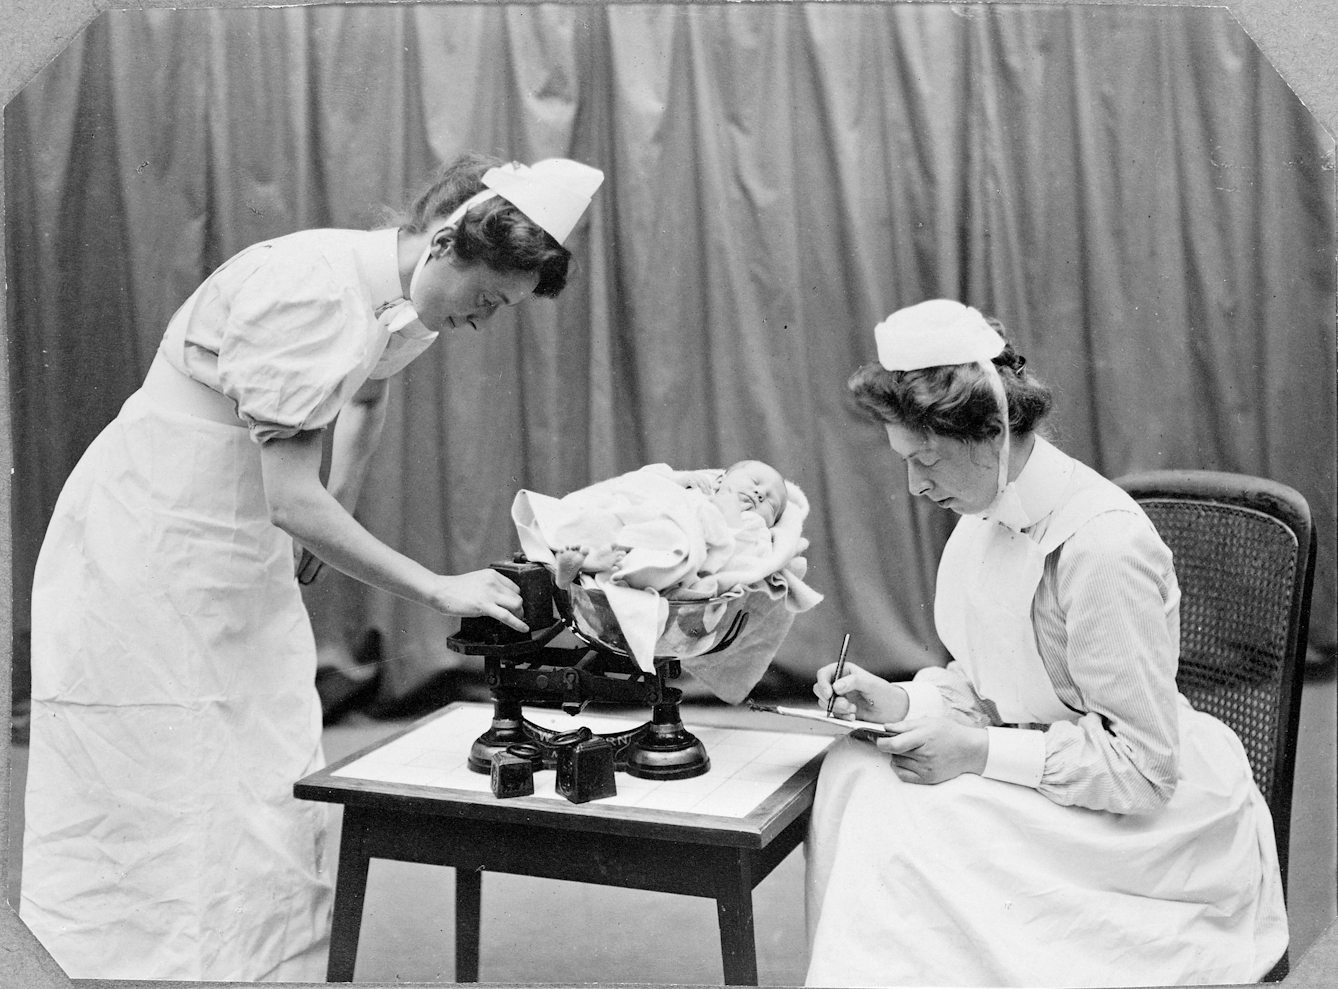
(1143,193)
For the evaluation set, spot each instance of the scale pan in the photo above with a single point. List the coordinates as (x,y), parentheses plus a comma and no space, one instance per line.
(693,628)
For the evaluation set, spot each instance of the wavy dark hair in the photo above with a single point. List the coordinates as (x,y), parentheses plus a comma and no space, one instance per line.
(494,232)
(955,400)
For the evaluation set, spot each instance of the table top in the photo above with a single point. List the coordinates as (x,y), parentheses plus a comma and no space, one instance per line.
(758,783)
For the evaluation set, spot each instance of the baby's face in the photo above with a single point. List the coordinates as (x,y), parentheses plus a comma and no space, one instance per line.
(760,488)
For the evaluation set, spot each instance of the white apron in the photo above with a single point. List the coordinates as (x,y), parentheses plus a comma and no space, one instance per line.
(977,882)
(173,709)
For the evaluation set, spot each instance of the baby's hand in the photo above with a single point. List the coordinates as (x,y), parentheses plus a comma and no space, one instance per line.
(695,480)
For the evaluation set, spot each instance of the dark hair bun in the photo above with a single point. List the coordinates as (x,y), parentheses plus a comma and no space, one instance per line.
(956,400)
(493,232)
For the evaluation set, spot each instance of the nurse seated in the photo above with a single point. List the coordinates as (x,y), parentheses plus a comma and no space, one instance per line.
(1048,809)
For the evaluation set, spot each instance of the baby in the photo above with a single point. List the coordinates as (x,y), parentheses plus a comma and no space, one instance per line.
(658,534)
(750,496)
(757,487)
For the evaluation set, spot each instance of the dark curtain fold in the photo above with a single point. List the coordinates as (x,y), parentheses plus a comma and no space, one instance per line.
(1134,191)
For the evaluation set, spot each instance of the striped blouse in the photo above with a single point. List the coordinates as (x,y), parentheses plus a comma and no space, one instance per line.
(1106,619)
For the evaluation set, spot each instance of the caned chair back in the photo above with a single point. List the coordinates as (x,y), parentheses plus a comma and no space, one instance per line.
(1244,550)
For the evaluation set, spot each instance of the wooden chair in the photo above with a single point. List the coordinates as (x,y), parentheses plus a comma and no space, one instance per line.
(1245,559)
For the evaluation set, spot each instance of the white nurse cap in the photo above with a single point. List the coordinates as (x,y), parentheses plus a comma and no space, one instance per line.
(554,193)
(935,333)
(941,332)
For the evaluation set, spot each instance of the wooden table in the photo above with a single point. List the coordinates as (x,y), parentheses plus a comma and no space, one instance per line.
(411,798)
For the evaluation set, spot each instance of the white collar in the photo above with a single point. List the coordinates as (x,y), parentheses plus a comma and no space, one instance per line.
(1037,490)
(378,258)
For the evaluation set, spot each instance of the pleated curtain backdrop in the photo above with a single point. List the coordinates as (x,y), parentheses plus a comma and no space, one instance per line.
(1133,190)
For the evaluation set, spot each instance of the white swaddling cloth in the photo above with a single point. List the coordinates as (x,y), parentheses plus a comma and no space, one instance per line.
(671,542)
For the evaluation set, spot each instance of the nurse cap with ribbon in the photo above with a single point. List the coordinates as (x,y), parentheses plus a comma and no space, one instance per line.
(943,332)
(554,193)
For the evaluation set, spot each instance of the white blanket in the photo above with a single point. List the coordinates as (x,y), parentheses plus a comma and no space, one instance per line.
(653,540)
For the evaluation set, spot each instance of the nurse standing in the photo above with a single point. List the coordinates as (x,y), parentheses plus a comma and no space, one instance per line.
(1049,811)
(173,661)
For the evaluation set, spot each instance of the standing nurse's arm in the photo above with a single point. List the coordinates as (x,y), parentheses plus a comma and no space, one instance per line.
(357,431)
(301,506)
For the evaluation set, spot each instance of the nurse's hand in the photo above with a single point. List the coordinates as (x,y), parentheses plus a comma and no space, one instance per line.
(931,750)
(861,695)
(482,592)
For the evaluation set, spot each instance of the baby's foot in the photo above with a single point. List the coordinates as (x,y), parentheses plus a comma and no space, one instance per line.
(569,563)
(605,559)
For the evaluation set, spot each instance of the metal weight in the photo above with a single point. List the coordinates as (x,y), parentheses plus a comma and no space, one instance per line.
(512,775)
(585,768)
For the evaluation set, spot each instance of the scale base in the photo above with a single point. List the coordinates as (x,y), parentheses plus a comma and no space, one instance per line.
(660,749)
(664,752)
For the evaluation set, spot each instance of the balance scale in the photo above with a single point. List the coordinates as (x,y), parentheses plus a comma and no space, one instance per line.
(522,668)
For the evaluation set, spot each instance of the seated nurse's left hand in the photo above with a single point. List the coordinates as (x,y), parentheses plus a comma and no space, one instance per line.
(932,750)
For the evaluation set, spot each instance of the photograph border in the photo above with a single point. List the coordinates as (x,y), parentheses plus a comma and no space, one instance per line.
(1299,38)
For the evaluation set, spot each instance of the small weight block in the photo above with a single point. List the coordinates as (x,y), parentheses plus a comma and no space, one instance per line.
(526,750)
(511,775)
(585,770)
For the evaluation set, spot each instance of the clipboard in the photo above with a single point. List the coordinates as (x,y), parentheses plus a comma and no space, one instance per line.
(863,729)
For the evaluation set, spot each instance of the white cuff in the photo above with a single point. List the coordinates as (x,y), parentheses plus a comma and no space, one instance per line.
(1016,755)
(925,700)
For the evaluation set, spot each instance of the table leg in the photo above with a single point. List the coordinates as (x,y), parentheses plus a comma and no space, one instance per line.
(468,922)
(350,890)
(734,910)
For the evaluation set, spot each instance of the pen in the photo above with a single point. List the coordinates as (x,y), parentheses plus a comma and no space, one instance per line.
(838,673)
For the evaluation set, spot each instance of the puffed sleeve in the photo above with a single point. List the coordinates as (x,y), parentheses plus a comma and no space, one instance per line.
(296,344)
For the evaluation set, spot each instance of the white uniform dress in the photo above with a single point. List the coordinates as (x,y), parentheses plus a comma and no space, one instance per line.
(1116,836)
(173,661)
